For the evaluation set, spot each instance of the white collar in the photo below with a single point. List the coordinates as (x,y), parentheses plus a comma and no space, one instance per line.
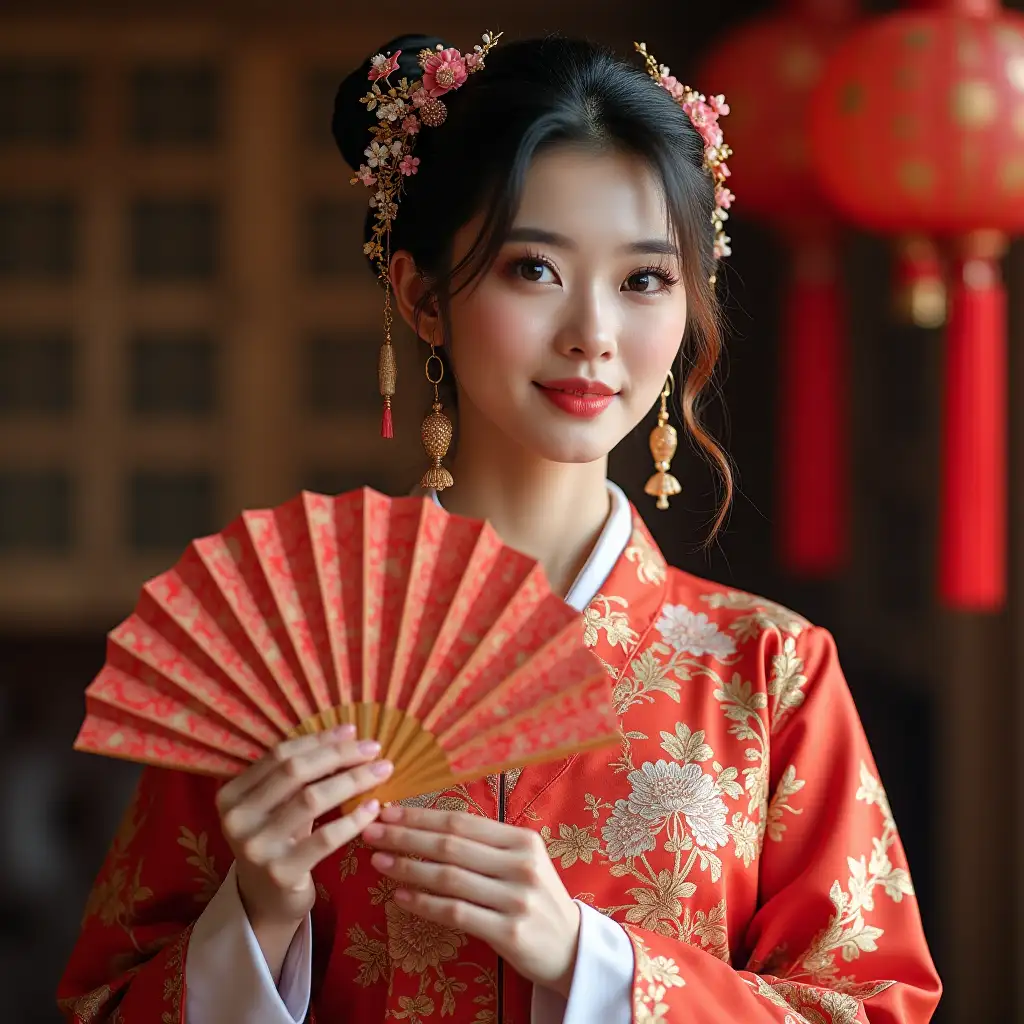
(615,534)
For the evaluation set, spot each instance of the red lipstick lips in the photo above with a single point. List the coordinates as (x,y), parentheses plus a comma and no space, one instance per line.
(578,396)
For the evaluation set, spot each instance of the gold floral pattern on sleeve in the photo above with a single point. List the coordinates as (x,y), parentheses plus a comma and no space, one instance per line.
(653,977)
(848,932)
(208,879)
(787,682)
(117,894)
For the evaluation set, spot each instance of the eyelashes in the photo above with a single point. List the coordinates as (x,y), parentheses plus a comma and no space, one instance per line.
(531,261)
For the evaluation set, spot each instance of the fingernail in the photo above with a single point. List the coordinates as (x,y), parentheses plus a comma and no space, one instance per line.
(382,769)
(368,747)
(383,860)
(369,806)
(341,732)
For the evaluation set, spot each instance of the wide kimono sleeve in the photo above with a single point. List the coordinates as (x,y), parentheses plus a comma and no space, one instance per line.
(167,861)
(837,936)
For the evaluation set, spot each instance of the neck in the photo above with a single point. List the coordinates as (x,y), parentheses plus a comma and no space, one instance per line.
(553,512)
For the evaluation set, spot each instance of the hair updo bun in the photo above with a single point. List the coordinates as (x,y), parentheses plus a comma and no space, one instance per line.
(351,122)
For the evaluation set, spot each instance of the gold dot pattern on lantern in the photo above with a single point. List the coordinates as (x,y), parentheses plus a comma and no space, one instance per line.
(974,103)
(851,98)
(1011,175)
(918,38)
(916,176)
(800,66)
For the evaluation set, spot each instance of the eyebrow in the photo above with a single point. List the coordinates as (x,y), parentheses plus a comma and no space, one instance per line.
(659,246)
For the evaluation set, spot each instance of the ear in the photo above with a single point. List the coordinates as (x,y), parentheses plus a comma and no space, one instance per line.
(409,289)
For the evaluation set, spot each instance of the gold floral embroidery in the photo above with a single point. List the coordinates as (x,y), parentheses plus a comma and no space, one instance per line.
(573,844)
(763,615)
(847,932)
(653,977)
(372,954)
(788,785)
(650,565)
(87,1008)
(814,1005)
(742,705)
(116,895)
(174,979)
(413,1009)
(415,943)
(786,682)
(600,615)
(209,880)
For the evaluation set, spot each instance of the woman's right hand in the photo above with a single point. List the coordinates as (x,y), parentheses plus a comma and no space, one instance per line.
(267,816)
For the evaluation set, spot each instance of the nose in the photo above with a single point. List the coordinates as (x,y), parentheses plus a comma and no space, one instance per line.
(590,331)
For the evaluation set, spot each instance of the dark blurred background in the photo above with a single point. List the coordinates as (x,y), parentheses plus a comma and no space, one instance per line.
(187,328)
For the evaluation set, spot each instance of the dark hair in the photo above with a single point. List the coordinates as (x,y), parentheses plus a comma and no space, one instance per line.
(531,95)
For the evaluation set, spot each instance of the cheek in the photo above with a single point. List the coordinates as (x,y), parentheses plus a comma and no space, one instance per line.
(653,346)
(495,335)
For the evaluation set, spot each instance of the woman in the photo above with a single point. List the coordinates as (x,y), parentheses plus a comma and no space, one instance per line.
(553,239)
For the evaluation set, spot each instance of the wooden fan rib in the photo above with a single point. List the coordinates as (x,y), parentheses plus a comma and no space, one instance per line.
(120,691)
(136,640)
(265,536)
(231,563)
(206,633)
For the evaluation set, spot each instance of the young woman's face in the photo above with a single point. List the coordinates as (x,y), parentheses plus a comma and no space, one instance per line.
(565,343)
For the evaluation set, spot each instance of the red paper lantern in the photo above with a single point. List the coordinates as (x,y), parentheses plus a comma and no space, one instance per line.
(918,126)
(768,70)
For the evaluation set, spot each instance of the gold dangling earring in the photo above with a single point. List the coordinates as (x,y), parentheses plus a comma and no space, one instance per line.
(436,430)
(664,441)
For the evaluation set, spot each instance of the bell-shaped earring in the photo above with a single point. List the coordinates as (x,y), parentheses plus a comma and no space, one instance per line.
(664,441)
(436,431)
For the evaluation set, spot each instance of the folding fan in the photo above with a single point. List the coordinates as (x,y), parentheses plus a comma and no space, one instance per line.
(418,626)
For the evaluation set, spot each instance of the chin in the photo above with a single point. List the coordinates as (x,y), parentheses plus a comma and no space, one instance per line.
(571,450)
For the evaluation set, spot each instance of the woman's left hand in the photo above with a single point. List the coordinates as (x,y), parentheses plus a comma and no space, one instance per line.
(488,879)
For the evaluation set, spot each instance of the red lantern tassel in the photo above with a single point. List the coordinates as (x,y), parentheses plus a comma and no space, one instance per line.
(813,505)
(387,427)
(972,529)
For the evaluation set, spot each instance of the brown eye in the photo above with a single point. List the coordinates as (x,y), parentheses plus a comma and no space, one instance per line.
(642,281)
(532,270)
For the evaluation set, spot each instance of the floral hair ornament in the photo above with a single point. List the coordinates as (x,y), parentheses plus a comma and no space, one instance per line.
(402,109)
(704,115)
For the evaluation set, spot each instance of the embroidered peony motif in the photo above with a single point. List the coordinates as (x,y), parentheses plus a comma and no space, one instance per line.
(626,834)
(693,633)
(667,788)
(416,944)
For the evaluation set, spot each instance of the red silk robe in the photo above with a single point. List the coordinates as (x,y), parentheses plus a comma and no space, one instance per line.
(739,834)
